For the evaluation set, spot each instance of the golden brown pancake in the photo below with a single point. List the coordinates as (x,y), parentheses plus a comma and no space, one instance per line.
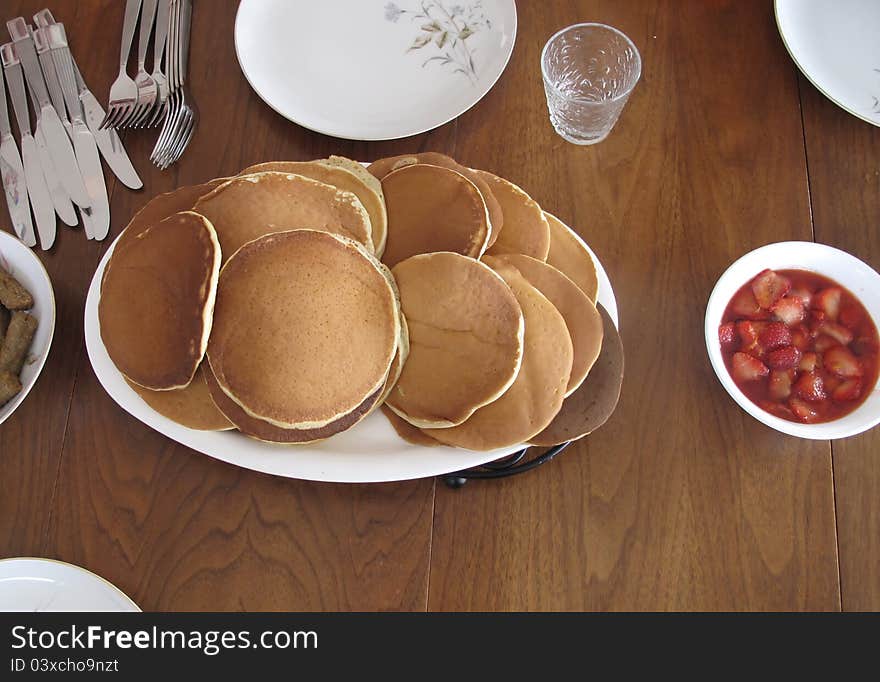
(407,431)
(251,206)
(261,430)
(340,178)
(383,167)
(579,312)
(357,168)
(399,361)
(525,227)
(568,255)
(465,333)
(432,209)
(157,301)
(191,407)
(305,328)
(533,400)
(593,403)
(163,205)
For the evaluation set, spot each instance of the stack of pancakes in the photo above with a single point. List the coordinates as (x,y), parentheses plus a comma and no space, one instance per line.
(292,300)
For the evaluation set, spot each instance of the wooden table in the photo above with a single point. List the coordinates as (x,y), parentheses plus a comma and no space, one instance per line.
(682,501)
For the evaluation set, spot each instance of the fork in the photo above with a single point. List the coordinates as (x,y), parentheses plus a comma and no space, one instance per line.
(146,86)
(182,115)
(123,92)
(160,41)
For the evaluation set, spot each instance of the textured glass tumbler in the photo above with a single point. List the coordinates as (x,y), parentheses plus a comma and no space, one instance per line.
(589,72)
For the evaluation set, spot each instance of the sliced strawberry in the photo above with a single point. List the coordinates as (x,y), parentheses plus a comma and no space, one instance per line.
(775,335)
(803,295)
(817,318)
(747,368)
(803,411)
(823,343)
(789,309)
(848,390)
(828,301)
(786,357)
(748,332)
(745,305)
(780,383)
(865,345)
(808,362)
(800,338)
(727,335)
(850,317)
(810,387)
(777,409)
(831,381)
(838,332)
(769,287)
(842,362)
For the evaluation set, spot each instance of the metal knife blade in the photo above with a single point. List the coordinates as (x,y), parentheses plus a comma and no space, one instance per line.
(41,201)
(90,163)
(15,186)
(60,200)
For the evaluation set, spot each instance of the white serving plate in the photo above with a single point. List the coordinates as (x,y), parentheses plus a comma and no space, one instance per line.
(373,69)
(20,261)
(838,265)
(370,452)
(43,585)
(836,44)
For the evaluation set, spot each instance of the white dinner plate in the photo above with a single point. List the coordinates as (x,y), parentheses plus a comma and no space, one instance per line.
(370,452)
(21,262)
(28,584)
(373,69)
(836,44)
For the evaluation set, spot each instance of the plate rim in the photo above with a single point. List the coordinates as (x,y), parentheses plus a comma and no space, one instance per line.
(16,402)
(77,569)
(803,70)
(361,138)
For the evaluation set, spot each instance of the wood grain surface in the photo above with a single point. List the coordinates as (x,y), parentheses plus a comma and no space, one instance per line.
(681,501)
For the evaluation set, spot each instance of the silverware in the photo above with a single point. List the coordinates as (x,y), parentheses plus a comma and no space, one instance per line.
(123,92)
(41,202)
(182,113)
(107,139)
(146,86)
(160,40)
(62,203)
(12,172)
(59,144)
(83,141)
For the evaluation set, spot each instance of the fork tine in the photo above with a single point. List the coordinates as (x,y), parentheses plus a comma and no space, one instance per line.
(124,112)
(112,115)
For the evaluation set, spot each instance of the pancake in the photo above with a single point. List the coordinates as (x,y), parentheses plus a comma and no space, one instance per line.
(157,301)
(358,169)
(465,333)
(581,317)
(191,407)
(251,206)
(569,256)
(383,167)
(340,178)
(399,361)
(433,209)
(305,328)
(261,430)
(163,205)
(525,227)
(407,431)
(533,400)
(594,402)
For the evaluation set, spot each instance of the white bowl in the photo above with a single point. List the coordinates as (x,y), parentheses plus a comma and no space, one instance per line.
(838,265)
(21,263)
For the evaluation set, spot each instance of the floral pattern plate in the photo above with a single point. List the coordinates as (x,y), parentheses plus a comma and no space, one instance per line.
(836,44)
(373,69)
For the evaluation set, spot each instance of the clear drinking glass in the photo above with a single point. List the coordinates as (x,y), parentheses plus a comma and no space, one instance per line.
(589,72)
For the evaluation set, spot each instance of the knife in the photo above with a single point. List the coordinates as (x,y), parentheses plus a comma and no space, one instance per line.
(12,173)
(107,139)
(63,206)
(59,144)
(83,140)
(41,202)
